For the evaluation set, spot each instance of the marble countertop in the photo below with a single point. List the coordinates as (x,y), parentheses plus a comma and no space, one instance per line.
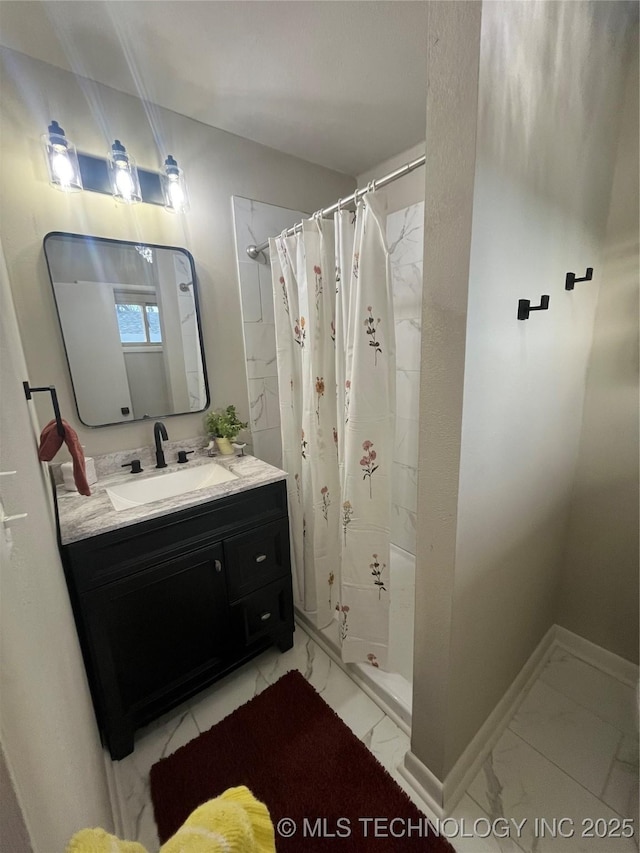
(81,517)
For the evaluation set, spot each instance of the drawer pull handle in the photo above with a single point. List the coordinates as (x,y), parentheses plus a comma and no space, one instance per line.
(261,558)
(218,565)
(265,616)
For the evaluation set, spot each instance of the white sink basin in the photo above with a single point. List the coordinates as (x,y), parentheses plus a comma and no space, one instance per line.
(148,489)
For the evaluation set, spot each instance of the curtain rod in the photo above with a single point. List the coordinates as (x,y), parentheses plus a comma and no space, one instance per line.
(254,251)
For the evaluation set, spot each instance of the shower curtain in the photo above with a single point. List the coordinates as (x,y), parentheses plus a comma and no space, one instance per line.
(335,341)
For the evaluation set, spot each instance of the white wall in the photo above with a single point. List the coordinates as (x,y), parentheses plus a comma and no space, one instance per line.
(496,472)
(453,32)
(599,594)
(12,826)
(217,165)
(47,725)
(545,154)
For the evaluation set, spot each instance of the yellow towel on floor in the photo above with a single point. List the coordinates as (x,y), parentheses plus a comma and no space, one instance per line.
(234,822)
(99,841)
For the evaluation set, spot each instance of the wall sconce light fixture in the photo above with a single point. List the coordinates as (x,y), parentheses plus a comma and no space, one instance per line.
(116,175)
(62,160)
(174,187)
(123,175)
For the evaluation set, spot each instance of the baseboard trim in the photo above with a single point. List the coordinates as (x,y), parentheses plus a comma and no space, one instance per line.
(595,655)
(117,810)
(467,766)
(443,797)
(428,787)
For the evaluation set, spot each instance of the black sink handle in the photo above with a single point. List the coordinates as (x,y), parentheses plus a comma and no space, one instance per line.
(136,468)
(182,455)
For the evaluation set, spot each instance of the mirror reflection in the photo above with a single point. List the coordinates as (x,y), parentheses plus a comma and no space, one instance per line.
(131,327)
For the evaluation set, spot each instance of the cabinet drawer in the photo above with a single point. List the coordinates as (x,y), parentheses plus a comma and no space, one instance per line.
(257,558)
(269,611)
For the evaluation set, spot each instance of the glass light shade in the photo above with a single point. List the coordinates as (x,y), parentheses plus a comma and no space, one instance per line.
(62,160)
(123,175)
(174,187)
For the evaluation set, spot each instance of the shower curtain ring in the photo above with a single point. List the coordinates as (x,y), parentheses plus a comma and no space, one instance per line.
(371,186)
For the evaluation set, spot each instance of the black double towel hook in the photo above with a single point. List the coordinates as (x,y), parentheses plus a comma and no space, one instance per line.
(524,307)
(571,279)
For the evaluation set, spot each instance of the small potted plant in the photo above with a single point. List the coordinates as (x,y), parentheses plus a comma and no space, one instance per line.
(224,426)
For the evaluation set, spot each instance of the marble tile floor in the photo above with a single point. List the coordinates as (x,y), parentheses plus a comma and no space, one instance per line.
(387,742)
(570,751)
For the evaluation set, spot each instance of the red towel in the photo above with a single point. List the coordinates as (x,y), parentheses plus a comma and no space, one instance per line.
(50,444)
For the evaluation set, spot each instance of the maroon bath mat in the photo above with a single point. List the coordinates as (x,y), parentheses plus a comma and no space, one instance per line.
(297,756)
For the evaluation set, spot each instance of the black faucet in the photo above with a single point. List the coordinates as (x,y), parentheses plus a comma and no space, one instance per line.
(159,433)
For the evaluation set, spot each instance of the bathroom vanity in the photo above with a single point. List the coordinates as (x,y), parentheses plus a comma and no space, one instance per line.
(171,595)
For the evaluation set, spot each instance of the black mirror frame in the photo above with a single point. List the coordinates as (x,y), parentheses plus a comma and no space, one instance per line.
(196,300)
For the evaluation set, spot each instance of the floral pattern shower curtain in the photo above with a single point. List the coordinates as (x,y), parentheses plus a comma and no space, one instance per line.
(336,368)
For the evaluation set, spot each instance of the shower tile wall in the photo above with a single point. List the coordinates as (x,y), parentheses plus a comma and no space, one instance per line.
(254,222)
(404,238)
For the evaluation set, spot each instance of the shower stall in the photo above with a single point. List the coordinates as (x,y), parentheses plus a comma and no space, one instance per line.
(256,221)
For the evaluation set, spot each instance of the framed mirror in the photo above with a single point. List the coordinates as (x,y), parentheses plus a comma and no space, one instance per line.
(130,323)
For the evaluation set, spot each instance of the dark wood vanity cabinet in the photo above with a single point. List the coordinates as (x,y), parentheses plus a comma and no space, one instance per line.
(168,606)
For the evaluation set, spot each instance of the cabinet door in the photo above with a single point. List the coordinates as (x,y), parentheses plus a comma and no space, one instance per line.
(157,632)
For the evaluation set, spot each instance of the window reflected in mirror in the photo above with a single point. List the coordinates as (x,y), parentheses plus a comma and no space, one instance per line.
(139,321)
(130,323)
